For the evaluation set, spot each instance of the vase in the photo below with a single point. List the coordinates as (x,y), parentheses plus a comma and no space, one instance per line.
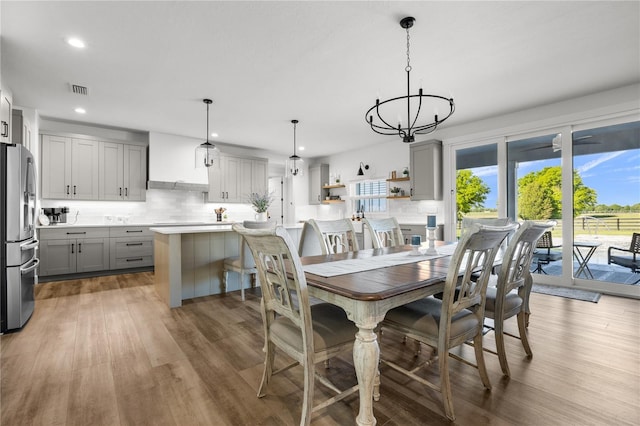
(261,217)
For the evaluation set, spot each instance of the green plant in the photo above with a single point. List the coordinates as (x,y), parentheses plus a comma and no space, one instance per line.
(260,201)
(395,190)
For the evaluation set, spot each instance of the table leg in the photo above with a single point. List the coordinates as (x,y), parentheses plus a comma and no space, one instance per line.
(366,355)
(583,261)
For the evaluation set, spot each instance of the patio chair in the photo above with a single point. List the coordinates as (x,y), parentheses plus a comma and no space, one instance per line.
(629,258)
(546,252)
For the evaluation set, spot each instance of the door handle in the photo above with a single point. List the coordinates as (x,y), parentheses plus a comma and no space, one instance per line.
(34,265)
(133,244)
(5,129)
(126,192)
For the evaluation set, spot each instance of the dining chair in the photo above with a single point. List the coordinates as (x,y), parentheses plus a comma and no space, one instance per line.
(244,263)
(459,316)
(308,334)
(335,236)
(384,232)
(510,296)
(546,252)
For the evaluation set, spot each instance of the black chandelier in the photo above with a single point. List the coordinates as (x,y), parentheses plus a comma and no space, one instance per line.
(412,128)
(207,154)
(294,163)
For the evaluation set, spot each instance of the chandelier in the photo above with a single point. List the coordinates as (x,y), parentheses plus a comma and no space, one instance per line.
(294,163)
(382,125)
(207,154)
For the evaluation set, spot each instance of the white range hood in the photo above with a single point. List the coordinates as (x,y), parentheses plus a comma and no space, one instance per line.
(172,164)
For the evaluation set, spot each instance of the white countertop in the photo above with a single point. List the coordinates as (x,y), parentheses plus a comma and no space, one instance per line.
(117,225)
(194,229)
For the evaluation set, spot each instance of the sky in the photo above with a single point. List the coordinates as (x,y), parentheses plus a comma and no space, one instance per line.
(615,176)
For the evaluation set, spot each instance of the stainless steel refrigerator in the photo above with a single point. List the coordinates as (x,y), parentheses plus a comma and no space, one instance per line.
(18,256)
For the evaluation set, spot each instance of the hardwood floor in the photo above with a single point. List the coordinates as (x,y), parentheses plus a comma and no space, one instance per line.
(106,351)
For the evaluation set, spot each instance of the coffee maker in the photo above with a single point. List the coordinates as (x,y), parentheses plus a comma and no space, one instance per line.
(56,214)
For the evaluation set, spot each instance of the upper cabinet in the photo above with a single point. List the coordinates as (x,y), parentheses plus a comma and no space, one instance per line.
(5,116)
(86,169)
(21,129)
(426,170)
(318,177)
(122,172)
(236,178)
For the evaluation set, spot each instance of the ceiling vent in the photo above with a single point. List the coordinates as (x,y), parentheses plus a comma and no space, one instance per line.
(79,90)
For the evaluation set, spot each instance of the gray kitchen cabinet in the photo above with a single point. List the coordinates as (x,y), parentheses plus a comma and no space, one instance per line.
(5,116)
(130,247)
(426,170)
(236,178)
(414,229)
(122,172)
(73,250)
(70,168)
(21,129)
(318,177)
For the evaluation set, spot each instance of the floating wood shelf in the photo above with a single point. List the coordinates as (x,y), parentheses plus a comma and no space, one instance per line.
(337,185)
(399,197)
(400,179)
(332,201)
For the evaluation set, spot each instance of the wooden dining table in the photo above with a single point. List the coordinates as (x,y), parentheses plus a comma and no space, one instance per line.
(366,296)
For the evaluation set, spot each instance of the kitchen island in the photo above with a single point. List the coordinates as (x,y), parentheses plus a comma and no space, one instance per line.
(189,260)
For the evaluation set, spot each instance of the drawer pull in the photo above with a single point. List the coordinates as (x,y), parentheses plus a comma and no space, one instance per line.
(136,259)
(134,244)
(137,230)
(76,233)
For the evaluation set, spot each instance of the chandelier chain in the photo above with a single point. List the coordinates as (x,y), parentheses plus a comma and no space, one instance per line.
(408,68)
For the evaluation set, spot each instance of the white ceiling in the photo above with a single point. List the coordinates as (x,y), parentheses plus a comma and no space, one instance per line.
(149,64)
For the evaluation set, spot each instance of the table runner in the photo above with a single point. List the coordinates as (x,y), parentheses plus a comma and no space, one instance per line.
(348,266)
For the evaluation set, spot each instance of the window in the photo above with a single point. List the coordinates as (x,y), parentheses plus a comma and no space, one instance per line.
(370,196)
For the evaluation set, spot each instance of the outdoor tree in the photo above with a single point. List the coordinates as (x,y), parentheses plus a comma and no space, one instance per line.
(542,189)
(471,192)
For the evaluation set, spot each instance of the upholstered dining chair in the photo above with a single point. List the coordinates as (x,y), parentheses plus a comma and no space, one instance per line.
(510,296)
(244,263)
(335,236)
(308,334)
(384,232)
(459,316)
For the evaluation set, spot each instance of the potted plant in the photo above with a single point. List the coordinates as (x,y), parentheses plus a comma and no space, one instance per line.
(405,172)
(395,191)
(261,202)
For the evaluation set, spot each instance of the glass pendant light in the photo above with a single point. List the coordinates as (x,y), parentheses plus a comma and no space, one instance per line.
(294,166)
(207,154)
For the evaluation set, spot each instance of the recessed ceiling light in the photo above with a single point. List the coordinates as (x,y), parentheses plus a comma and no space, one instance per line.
(214,135)
(80,110)
(301,148)
(76,42)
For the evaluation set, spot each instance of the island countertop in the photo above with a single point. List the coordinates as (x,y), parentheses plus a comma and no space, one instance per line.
(192,229)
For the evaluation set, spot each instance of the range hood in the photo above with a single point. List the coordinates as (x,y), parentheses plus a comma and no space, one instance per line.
(172,164)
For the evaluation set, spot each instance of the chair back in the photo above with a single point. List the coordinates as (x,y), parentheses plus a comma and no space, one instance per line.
(384,232)
(246,258)
(545,241)
(515,271)
(282,279)
(635,243)
(335,236)
(467,222)
(469,270)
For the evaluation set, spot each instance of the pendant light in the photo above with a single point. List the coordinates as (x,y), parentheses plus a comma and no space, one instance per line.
(207,154)
(294,163)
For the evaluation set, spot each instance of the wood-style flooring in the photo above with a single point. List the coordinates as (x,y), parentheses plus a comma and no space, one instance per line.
(106,351)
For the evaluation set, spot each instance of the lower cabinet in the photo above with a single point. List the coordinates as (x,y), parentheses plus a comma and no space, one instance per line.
(68,251)
(131,247)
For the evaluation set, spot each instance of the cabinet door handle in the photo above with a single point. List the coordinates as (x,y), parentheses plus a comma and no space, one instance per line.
(72,248)
(133,244)
(77,233)
(137,259)
(74,190)
(79,247)
(222,195)
(126,192)
(67,189)
(121,191)
(5,129)
(135,230)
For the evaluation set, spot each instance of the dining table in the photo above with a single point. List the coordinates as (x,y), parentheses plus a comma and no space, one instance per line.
(367,284)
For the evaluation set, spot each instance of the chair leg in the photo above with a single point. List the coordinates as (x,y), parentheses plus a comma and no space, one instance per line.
(242,286)
(445,386)
(523,322)
(225,279)
(307,403)
(268,368)
(502,353)
(482,368)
